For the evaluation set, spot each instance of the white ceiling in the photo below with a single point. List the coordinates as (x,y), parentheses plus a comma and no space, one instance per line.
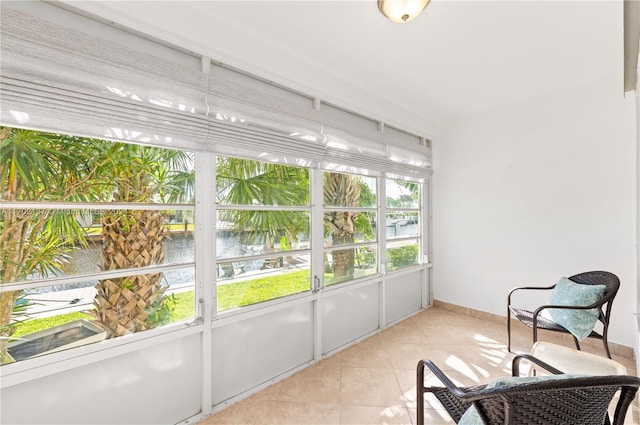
(457,59)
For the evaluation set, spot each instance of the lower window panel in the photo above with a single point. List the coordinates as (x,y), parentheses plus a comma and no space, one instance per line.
(402,254)
(247,282)
(56,318)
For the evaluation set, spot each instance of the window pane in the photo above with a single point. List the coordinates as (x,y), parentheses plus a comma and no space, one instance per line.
(60,317)
(89,241)
(402,224)
(248,182)
(45,167)
(349,190)
(403,194)
(250,232)
(342,265)
(38,243)
(255,281)
(247,232)
(344,227)
(402,254)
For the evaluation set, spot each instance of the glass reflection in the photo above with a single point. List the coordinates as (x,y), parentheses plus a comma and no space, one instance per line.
(402,224)
(402,194)
(341,265)
(402,254)
(243,233)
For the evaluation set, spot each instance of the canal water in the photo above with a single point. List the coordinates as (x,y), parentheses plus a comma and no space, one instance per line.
(179,249)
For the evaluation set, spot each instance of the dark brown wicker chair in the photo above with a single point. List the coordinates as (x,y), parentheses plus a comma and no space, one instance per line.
(570,401)
(533,319)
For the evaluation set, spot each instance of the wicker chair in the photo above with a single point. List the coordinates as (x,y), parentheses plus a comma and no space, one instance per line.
(535,321)
(566,401)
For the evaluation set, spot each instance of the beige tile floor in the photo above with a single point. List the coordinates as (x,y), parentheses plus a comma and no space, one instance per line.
(373,382)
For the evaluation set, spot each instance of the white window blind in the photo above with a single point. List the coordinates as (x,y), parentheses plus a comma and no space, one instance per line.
(249,117)
(58,79)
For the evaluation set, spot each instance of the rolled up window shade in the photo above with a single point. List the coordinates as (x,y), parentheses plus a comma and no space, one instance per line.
(364,144)
(290,126)
(251,118)
(58,79)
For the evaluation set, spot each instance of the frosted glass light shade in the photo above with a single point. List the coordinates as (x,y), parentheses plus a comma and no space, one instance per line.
(401,11)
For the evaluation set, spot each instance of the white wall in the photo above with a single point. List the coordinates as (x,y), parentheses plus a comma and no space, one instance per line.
(537,191)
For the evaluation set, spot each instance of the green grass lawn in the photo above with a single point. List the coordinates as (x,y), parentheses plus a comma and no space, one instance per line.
(254,291)
(232,295)
(35,325)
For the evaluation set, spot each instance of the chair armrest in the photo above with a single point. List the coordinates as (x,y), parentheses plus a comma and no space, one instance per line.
(532,288)
(597,305)
(538,310)
(441,376)
(515,364)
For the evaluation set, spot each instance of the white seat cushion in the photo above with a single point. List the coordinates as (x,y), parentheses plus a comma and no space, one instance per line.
(570,360)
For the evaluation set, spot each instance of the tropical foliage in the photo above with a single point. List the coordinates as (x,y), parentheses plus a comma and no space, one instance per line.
(258,198)
(342,190)
(244,182)
(39,167)
(402,256)
(133,238)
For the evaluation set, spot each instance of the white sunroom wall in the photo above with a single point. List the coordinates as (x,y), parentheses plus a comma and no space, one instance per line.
(540,190)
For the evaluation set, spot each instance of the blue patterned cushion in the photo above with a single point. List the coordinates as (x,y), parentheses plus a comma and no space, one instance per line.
(471,416)
(579,322)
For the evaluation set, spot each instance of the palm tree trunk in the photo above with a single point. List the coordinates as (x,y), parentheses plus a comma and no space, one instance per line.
(343,259)
(130,239)
(342,190)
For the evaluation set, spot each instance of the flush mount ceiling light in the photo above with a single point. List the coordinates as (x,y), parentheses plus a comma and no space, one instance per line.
(401,11)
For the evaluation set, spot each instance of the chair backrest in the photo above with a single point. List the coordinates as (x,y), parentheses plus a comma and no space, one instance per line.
(611,283)
(571,401)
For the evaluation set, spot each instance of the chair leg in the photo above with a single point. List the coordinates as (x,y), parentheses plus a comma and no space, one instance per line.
(420,394)
(508,330)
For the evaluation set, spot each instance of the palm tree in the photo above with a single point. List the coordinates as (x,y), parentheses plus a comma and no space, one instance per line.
(133,238)
(248,182)
(342,190)
(36,166)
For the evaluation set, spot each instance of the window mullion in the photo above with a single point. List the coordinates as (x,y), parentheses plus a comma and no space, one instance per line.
(205,240)
(205,235)
(317,255)
(382,229)
(382,250)
(229,207)
(138,206)
(317,228)
(108,274)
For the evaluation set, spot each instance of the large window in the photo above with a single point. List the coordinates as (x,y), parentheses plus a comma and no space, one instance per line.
(97,237)
(96,240)
(350,207)
(263,222)
(402,224)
